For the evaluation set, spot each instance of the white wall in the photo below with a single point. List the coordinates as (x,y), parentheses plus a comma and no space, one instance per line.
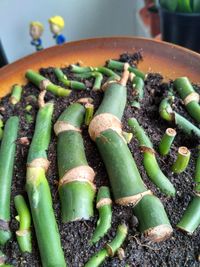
(84,18)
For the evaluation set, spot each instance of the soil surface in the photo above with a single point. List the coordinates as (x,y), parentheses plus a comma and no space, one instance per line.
(179,251)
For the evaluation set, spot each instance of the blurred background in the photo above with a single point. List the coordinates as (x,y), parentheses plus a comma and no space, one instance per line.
(83,19)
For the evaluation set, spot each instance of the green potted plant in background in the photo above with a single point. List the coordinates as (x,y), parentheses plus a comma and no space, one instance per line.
(180,22)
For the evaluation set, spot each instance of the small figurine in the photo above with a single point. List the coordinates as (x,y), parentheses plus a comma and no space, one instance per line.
(36,30)
(56,25)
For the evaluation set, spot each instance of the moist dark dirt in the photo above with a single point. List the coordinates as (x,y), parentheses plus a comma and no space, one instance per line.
(180,250)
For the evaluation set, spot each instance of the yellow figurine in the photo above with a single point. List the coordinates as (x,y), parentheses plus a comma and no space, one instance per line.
(36,30)
(56,25)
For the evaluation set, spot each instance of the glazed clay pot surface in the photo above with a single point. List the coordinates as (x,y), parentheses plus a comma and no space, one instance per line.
(165,58)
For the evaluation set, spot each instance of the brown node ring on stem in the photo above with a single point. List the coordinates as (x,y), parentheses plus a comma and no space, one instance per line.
(80,173)
(158,233)
(39,163)
(125,75)
(144,149)
(4,225)
(191,97)
(62,126)
(170,132)
(106,84)
(85,100)
(102,202)
(43,84)
(41,96)
(132,200)
(103,122)
(23,232)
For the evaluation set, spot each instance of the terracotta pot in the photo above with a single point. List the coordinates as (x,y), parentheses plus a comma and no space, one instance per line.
(170,60)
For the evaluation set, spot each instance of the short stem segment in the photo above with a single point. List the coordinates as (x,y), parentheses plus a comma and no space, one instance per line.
(7,156)
(44,84)
(150,163)
(103,205)
(166,141)
(24,232)
(16,94)
(110,249)
(182,160)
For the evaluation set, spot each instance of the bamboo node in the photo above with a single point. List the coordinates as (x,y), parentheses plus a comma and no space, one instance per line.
(4,225)
(43,84)
(132,200)
(159,233)
(191,97)
(62,126)
(80,173)
(103,122)
(144,149)
(106,84)
(170,132)
(23,232)
(41,96)
(39,163)
(103,202)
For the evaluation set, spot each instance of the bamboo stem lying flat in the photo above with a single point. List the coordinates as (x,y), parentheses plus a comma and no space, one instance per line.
(23,234)
(110,248)
(44,84)
(16,94)
(39,192)
(189,96)
(150,163)
(7,156)
(105,213)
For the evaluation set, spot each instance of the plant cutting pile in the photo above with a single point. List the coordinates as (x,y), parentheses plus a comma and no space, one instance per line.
(100,166)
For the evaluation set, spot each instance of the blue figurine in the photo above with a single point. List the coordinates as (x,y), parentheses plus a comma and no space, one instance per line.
(56,25)
(36,30)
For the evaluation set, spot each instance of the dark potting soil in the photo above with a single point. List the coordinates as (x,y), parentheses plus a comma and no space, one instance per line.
(180,250)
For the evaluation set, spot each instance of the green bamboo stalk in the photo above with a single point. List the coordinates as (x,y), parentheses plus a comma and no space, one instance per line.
(7,156)
(126,182)
(166,141)
(43,83)
(182,160)
(110,248)
(191,217)
(182,123)
(1,129)
(185,90)
(89,113)
(117,65)
(103,70)
(153,220)
(23,234)
(197,174)
(138,86)
(71,84)
(76,190)
(39,192)
(16,94)
(105,213)
(95,74)
(150,163)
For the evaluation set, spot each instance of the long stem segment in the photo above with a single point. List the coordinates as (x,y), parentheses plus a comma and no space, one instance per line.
(71,84)
(110,248)
(150,163)
(117,65)
(182,160)
(7,156)
(39,192)
(189,96)
(191,217)
(106,130)
(103,205)
(16,94)
(44,84)
(76,188)
(182,123)
(166,141)
(23,234)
